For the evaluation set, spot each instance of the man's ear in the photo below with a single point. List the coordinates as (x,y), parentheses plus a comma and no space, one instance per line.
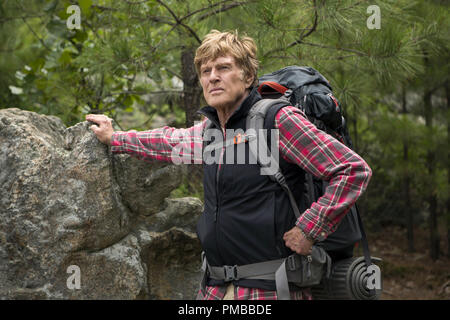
(249,81)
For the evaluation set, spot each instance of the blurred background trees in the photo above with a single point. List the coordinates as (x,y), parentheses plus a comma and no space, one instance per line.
(132,60)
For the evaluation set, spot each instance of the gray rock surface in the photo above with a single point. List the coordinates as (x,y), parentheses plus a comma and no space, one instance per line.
(65,200)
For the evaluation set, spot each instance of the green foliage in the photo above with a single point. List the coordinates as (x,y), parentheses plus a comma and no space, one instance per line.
(125,61)
(190,187)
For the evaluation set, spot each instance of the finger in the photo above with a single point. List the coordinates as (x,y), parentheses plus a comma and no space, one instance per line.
(93,118)
(287,234)
(98,118)
(108,121)
(94,128)
(103,123)
(291,237)
(296,248)
(291,244)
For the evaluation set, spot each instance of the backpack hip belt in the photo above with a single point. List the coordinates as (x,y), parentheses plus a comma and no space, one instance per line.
(303,271)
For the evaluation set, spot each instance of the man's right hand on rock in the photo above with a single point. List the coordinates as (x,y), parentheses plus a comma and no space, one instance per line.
(103,130)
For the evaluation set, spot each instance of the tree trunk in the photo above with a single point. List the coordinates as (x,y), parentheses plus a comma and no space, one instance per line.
(431,168)
(447,214)
(406,184)
(192,95)
(354,122)
(192,91)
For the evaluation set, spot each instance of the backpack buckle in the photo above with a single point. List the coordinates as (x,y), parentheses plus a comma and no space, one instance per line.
(230,273)
(290,262)
(280,178)
(287,94)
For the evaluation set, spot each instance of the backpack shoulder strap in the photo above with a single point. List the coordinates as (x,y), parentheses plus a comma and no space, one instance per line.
(255,122)
(258,112)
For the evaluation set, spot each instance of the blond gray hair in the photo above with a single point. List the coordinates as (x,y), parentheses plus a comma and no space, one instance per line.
(217,44)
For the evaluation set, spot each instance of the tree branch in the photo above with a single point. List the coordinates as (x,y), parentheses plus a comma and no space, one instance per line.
(146,121)
(6,19)
(204,9)
(154,19)
(223,9)
(104,8)
(35,34)
(179,22)
(302,35)
(136,2)
(172,72)
(359,53)
(357,3)
(310,31)
(143,92)
(114,117)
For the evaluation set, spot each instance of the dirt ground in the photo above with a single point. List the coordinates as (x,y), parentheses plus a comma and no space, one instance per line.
(410,276)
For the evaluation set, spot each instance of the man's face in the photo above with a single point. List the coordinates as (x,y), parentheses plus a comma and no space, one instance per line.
(223,83)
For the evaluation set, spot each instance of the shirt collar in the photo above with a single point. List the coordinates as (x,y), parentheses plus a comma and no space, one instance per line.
(240,112)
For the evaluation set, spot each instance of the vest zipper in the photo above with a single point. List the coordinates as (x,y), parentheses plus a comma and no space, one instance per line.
(201,112)
(218,198)
(218,176)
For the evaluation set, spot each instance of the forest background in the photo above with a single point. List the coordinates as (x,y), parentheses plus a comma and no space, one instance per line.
(387,61)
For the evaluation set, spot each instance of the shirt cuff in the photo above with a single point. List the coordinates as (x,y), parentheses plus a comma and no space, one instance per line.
(313,228)
(116,142)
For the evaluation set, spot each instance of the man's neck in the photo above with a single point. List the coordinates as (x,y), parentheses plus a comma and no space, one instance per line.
(224,113)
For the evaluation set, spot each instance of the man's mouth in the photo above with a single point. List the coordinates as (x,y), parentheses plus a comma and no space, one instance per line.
(215,90)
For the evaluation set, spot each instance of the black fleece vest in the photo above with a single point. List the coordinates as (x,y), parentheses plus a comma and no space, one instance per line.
(246,214)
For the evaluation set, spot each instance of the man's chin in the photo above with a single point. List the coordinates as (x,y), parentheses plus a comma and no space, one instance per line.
(216,103)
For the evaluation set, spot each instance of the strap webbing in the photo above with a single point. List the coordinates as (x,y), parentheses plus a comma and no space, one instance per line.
(255,121)
(281,282)
(262,271)
(267,270)
(364,241)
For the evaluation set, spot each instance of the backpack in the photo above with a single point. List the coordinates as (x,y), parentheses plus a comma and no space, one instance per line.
(308,90)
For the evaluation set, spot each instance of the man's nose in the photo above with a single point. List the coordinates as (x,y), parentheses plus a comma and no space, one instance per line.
(213,76)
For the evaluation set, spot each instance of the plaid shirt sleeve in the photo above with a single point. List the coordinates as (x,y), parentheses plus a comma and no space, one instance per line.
(163,144)
(326,158)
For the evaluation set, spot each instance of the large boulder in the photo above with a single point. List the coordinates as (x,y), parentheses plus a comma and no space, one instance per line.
(69,207)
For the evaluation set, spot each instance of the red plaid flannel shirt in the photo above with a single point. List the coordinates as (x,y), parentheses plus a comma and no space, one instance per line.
(300,142)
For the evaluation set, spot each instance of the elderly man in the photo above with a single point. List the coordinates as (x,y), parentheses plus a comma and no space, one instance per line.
(247,217)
